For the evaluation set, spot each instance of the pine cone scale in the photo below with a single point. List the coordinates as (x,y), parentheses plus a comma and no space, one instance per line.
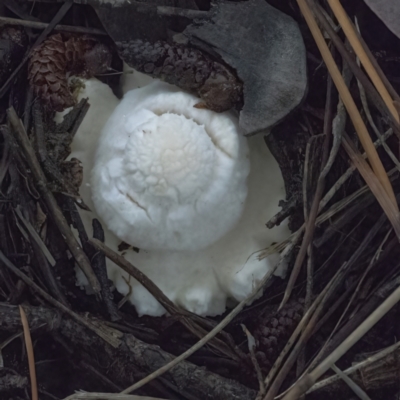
(59,56)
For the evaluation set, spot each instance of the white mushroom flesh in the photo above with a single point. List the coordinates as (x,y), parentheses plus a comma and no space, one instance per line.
(168,175)
(199,280)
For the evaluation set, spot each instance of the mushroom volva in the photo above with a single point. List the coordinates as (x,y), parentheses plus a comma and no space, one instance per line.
(185,187)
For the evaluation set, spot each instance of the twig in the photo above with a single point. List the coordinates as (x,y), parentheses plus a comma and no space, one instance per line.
(29,351)
(348,101)
(308,330)
(287,208)
(212,333)
(303,322)
(338,124)
(352,36)
(308,380)
(374,184)
(378,69)
(182,12)
(160,296)
(315,312)
(332,191)
(351,384)
(364,103)
(252,345)
(108,396)
(359,74)
(99,264)
(107,336)
(352,212)
(310,224)
(51,203)
(35,237)
(43,25)
(138,275)
(44,258)
(370,360)
(57,18)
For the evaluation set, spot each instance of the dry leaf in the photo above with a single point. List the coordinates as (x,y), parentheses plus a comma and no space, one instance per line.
(388,11)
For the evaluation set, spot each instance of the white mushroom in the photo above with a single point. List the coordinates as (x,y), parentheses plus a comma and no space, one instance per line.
(168,175)
(200,280)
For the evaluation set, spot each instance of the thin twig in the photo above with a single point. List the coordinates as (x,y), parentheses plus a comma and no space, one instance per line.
(348,101)
(370,360)
(51,203)
(29,351)
(108,336)
(374,184)
(352,36)
(182,12)
(108,396)
(308,380)
(351,384)
(252,345)
(310,224)
(301,325)
(57,18)
(43,25)
(35,236)
(185,319)
(364,103)
(307,331)
(338,184)
(213,332)
(359,74)
(139,276)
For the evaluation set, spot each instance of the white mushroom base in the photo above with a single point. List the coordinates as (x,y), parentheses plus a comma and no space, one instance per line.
(200,281)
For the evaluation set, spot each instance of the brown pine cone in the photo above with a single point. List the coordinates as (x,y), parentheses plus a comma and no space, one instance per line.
(275,329)
(188,68)
(57,58)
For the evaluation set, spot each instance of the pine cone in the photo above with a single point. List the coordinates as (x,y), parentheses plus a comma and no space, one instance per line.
(60,56)
(190,69)
(275,329)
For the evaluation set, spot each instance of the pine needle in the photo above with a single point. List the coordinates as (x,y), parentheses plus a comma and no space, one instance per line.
(358,48)
(349,103)
(29,351)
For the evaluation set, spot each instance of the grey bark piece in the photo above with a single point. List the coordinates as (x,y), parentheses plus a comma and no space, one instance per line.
(266,49)
(388,11)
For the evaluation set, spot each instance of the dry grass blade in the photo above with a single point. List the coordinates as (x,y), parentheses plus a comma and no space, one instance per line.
(348,101)
(29,351)
(108,396)
(308,380)
(373,183)
(41,182)
(310,222)
(370,360)
(107,334)
(352,36)
(42,25)
(139,276)
(35,236)
(218,328)
(252,345)
(351,384)
(192,326)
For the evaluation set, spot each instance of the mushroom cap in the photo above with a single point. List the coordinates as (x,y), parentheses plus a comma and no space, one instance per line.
(166,175)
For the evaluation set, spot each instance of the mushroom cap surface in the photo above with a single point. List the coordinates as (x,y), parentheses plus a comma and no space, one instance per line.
(166,175)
